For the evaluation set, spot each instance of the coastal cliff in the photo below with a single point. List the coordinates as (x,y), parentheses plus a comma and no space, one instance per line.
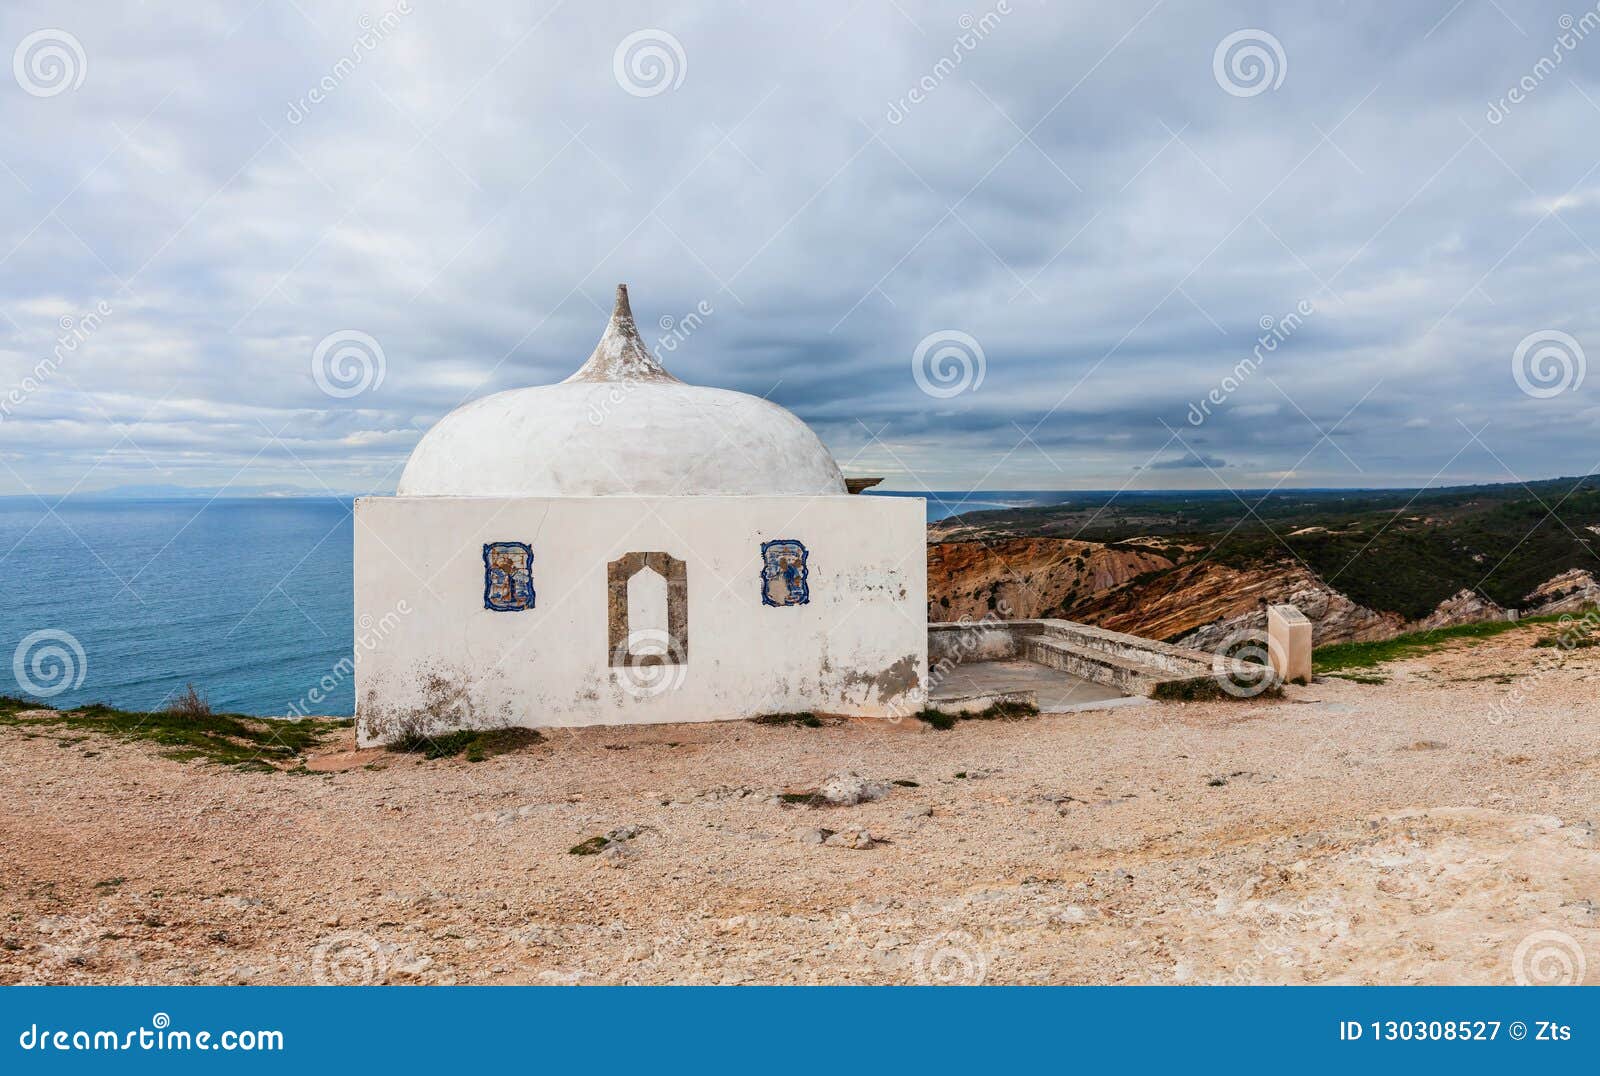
(1176,596)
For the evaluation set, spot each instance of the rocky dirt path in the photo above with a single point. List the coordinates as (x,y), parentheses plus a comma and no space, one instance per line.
(1400,832)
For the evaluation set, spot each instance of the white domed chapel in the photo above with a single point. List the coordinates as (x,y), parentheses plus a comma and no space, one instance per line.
(622,547)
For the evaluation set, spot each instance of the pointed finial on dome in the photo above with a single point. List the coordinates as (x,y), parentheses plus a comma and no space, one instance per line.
(621,354)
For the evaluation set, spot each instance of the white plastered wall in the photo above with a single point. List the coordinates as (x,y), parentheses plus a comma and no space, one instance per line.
(430,657)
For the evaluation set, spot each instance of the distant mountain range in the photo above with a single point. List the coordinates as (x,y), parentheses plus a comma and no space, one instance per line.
(174,492)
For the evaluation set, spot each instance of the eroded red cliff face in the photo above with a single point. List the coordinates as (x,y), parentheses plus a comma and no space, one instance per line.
(1202,603)
(1195,602)
(1034,577)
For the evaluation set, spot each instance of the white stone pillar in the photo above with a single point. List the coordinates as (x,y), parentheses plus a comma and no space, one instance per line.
(1289,643)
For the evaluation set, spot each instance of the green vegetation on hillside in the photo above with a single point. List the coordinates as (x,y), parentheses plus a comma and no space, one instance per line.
(1400,551)
(1409,563)
(245,743)
(1327,659)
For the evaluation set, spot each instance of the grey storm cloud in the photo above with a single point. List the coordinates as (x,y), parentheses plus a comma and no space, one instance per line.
(1123,208)
(1191,460)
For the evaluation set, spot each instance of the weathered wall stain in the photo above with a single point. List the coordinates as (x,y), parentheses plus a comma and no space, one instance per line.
(448,695)
(901,678)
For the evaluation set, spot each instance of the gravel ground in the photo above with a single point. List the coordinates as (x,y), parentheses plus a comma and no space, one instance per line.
(1392,833)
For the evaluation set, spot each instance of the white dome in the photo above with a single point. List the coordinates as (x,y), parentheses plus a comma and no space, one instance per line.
(620,426)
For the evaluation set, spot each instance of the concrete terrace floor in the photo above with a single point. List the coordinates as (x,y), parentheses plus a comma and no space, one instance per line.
(1058,692)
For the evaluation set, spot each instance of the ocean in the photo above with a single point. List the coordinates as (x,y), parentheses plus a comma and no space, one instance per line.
(944,503)
(127,601)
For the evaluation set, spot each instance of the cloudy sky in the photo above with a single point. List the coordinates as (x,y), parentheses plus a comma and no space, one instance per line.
(1097,207)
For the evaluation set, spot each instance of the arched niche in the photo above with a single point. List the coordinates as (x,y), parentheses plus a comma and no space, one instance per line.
(623,601)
